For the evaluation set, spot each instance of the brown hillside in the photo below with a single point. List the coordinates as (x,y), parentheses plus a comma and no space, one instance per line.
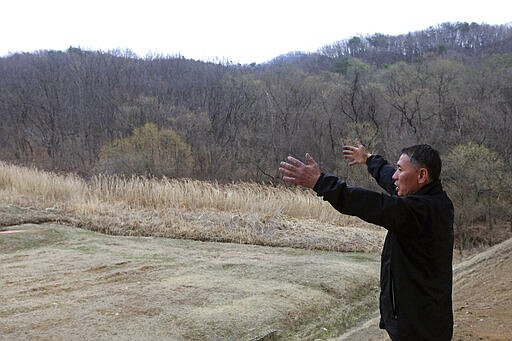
(483,296)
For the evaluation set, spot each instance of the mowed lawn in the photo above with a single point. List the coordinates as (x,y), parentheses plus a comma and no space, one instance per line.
(59,283)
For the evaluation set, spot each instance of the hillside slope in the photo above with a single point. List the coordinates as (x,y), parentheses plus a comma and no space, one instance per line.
(482,298)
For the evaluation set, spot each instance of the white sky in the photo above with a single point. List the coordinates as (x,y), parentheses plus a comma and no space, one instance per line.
(242,31)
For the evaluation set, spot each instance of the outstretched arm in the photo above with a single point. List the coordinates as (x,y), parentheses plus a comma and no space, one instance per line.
(303,174)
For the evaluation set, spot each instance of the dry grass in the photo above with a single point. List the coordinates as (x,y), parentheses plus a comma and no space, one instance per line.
(43,186)
(242,212)
(61,283)
(192,195)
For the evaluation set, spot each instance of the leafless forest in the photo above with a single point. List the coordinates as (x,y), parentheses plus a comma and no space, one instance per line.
(91,112)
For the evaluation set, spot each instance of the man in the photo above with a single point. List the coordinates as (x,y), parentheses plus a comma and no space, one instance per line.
(416,261)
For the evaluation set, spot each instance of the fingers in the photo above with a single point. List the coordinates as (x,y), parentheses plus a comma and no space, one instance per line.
(293,161)
(296,172)
(357,145)
(288,179)
(348,151)
(354,150)
(289,169)
(289,172)
(356,154)
(284,169)
(291,165)
(309,159)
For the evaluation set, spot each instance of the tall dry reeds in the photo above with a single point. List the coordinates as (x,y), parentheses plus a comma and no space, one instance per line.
(185,208)
(190,195)
(39,185)
(181,194)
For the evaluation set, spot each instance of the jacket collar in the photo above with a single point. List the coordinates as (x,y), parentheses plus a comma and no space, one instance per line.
(433,187)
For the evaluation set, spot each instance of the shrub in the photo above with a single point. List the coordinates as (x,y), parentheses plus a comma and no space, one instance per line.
(479,185)
(148,151)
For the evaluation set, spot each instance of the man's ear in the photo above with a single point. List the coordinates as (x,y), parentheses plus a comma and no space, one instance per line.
(423,177)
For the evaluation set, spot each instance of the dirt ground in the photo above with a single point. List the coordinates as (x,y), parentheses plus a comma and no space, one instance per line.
(483,295)
(63,283)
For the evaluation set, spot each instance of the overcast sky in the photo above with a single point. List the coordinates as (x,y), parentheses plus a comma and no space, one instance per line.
(239,31)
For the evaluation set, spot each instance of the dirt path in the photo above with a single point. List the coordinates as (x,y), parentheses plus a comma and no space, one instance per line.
(62,283)
(483,295)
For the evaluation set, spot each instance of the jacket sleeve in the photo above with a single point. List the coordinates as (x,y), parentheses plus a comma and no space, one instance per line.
(404,215)
(382,171)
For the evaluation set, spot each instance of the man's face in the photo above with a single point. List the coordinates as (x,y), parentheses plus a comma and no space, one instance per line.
(406,176)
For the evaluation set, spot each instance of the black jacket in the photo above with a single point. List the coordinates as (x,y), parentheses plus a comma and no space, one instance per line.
(416,262)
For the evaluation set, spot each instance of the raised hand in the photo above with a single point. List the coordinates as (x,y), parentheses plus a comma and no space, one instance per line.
(296,172)
(357,154)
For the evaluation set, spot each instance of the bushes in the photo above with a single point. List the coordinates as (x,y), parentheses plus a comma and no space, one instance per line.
(479,184)
(148,151)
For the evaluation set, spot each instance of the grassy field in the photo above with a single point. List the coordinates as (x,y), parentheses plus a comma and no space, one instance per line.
(61,283)
(238,261)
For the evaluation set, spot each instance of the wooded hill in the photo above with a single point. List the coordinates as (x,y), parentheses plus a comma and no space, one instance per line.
(449,86)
